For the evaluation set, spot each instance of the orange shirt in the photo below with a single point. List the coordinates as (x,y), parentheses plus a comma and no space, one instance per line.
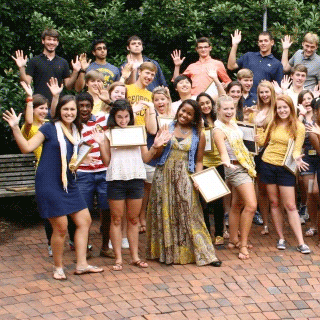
(198,73)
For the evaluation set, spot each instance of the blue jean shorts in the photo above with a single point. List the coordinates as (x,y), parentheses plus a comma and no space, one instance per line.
(314,164)
(271,174)
(91,183)
(125,189)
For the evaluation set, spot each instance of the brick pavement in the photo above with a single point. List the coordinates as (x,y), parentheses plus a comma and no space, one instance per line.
(271,285)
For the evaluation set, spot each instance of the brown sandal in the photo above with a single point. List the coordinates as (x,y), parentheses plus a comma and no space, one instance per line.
(117,266)
(139,264)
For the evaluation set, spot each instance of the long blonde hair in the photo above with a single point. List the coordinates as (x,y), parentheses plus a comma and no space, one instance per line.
(260,104)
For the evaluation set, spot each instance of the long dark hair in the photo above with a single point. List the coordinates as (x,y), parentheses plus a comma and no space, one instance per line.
(197,120)
(212,113)
(119,105)
(64,100)
(239,111)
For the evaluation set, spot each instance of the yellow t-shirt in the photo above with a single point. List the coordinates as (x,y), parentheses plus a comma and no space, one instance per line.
(97,107)
(135,94)
(277,146)
(34,129)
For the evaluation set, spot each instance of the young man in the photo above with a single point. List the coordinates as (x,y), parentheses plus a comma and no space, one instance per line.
(245,77)
(138,92)
(262,63)
(109,71)
(299,74)
(307,56)
(135,48)
(46,65)
(91,179)
(197,71)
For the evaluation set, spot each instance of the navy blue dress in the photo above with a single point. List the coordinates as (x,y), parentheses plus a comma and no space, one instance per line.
(52,200)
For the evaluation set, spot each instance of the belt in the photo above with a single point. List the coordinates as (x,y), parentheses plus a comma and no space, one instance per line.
(234,162)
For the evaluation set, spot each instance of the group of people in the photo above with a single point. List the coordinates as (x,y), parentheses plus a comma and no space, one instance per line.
(148,188)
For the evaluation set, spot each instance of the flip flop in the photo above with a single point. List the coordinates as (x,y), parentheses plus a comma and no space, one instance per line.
(58,274)
(139,264)
(88,269)
(142,229)
(117,266)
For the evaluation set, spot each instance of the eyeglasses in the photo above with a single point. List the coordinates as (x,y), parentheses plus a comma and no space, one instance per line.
(101,48)
(206,47)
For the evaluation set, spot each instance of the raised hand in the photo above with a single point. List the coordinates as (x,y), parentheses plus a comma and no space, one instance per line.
(11,117)
(316,91)
(137,107)
(103,93)
(212,72)
(76,65)
(54,86)
(285,83)
(19,59)
(127,69)
(162,137)
(83,61)
(313,129)
(236,37)
(286,42)
(98,136)
(176,57)
(277,88)
(302,110)
(27,88)
(302,166)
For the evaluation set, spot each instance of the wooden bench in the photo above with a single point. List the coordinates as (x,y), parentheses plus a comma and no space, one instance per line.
(17,175)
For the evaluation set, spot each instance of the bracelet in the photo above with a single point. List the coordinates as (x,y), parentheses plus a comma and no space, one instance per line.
(29,99)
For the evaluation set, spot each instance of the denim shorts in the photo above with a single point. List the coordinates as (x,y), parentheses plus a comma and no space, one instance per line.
(125,189)
(91,183)
(279,175)
(314,164)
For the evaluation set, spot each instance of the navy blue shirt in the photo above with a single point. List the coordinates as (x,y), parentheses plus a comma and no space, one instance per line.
(263,68)
(159,79)
(250,101)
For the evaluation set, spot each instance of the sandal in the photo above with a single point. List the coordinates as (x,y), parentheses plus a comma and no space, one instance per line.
(226,234)
(139,264)
(58,274)
(311,232)
(117,266)
(88,269)
(232,245)
(265,230)
(244,255)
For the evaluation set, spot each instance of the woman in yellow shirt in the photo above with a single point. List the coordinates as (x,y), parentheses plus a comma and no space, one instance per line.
(280,182)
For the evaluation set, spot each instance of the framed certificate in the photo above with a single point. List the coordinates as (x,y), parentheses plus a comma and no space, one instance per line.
(288,161)
(84,149)
(211,185)
(128,136)
(164,120)
(208,136)
(212,89)
(249,133)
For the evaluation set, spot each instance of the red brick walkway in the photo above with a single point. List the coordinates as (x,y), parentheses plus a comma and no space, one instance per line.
(271,285)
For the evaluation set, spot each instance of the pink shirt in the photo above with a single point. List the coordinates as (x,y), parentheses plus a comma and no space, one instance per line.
(198,73)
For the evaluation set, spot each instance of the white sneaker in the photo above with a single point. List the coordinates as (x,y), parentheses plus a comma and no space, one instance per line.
(125,243)
(306,215)
(302,221)
(110,245)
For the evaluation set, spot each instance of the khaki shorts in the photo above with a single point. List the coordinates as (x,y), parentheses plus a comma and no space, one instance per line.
(150,172)
(237,176)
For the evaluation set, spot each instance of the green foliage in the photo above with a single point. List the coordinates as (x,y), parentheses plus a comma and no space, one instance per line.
(164,25)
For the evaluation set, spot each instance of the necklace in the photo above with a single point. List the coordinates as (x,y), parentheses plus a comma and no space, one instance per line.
(183,132)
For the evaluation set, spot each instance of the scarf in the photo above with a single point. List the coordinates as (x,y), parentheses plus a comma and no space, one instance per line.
(74,139)
(236,142)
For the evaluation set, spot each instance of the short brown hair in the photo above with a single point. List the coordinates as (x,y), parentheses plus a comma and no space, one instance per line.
(50,33)
(93,75)
(135,37)
(203,40)
(244,73)
(149,66)
(299,67)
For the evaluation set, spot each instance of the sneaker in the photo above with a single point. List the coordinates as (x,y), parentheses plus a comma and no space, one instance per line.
(226,219)
(73,248)
(110,245)
(302,221)
(303,248)
(306,216)
(281,245)
(125,243)
(257,219)
(218,241)
(50,251)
